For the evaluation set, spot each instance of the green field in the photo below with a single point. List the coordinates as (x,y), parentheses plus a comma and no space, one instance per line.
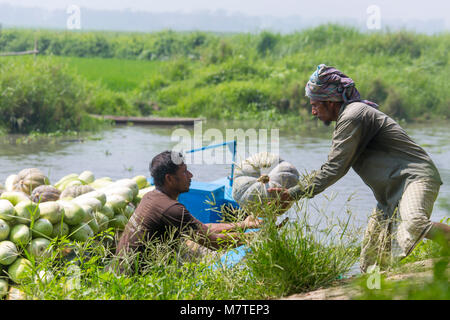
(111,73)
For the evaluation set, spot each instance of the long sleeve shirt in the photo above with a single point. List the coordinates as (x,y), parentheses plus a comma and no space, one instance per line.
(379,151)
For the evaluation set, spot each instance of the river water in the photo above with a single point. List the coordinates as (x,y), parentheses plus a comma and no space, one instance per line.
(125,151)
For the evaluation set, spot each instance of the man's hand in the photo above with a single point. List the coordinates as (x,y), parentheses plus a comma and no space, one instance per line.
(281,193)
(282,196)
(282,223)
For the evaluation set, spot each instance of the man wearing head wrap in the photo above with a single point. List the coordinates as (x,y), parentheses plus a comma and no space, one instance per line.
(402,176)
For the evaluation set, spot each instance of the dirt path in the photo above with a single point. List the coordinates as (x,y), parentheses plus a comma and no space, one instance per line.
(346,289)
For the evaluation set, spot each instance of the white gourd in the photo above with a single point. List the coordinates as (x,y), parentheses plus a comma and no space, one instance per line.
(29,179)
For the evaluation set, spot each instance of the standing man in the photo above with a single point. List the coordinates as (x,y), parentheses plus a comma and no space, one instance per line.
(160,217)
(403,178)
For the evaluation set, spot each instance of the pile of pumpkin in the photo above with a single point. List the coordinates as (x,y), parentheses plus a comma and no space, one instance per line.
(33,212)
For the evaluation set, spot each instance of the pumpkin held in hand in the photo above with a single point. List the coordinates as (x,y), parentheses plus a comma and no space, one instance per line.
(256,174)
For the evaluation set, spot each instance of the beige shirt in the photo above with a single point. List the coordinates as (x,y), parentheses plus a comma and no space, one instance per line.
(379,151)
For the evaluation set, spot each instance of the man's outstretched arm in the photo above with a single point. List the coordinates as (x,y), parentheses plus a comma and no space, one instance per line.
(347,144)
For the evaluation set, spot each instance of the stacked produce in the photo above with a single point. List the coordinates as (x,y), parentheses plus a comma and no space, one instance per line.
(78,206)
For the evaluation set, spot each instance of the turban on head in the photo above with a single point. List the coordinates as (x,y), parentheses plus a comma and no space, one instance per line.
(330,84)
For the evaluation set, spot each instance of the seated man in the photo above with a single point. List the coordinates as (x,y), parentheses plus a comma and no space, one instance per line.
(159,213)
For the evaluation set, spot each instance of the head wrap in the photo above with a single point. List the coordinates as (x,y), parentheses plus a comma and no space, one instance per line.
(330,84)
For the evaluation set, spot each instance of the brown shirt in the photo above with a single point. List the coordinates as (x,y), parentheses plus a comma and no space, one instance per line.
(156,217)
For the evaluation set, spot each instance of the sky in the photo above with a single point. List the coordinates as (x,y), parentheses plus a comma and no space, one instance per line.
(356,9)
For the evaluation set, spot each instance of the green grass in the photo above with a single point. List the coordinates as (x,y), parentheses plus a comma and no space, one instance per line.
(295,262)
(435,287)
(42,96)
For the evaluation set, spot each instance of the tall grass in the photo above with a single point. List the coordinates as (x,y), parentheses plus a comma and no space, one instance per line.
(42,96)
(292,260)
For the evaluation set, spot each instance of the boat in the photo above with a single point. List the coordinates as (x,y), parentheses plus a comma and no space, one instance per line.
(207,200)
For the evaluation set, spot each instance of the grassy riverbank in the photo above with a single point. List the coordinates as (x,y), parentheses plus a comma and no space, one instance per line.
(217,76)
(297,262)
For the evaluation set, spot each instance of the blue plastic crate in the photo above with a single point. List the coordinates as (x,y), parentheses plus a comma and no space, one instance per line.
(204,200)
